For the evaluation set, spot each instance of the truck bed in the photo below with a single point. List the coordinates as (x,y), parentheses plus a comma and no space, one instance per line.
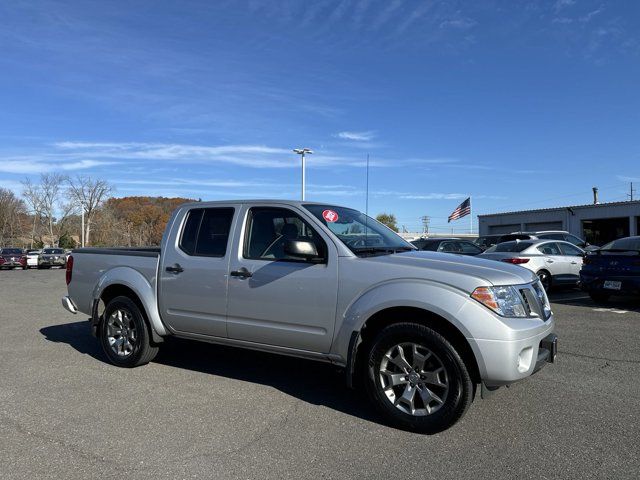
(132,251)
(92,266)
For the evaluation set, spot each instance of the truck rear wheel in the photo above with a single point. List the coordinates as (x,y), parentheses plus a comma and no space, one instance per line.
(416,378)
(124,334)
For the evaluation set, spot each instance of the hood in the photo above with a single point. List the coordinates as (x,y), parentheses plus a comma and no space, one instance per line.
(477,270)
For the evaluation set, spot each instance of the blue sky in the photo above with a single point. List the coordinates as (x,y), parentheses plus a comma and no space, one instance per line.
(519,104)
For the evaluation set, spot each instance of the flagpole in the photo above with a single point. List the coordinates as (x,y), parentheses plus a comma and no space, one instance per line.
(470,217)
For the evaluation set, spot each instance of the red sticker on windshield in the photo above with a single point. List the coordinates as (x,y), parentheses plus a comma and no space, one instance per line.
(330,216)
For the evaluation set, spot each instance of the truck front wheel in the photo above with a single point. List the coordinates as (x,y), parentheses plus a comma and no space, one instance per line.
(416,378)
(124,335)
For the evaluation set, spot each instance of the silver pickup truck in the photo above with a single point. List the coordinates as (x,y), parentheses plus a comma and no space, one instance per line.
(420,331)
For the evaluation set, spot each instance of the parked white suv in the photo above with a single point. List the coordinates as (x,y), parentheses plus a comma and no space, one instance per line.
(555,262)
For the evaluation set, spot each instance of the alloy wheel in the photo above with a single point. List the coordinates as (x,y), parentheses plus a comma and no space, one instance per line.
(122,334)
(414,379)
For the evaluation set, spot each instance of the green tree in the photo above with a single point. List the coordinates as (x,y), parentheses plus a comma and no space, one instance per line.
(389,219)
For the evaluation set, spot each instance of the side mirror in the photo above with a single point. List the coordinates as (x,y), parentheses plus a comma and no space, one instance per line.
(301,249)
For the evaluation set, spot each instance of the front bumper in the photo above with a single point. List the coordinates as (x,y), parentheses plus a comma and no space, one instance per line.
(502,362)
(13,263)
(51,262)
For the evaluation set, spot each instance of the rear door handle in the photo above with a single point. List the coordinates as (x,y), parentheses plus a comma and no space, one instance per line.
(175,268)
(574,263)
(241,273)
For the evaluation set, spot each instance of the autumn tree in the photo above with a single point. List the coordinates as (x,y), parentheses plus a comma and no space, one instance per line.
(12,213)
(388,219)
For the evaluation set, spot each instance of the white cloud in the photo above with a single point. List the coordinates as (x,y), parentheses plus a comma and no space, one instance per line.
(43,164)
(436,196)
(356,136)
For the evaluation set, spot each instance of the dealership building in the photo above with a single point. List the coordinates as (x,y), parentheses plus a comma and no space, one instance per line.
(597,223)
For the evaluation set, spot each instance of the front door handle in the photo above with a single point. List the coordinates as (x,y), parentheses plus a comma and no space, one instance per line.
(175,268)
(549,261)
(242,272)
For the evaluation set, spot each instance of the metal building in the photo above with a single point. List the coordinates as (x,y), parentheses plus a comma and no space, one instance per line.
(597,223)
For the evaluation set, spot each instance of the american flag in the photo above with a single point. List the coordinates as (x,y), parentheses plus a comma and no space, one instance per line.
(463,209)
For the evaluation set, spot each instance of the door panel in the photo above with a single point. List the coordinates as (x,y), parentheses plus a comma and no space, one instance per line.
(193,300)
(284,302)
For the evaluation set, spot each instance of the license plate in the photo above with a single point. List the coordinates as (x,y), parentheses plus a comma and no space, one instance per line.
(612,284)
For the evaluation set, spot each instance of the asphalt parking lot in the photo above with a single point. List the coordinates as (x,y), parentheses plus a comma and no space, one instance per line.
(204,411)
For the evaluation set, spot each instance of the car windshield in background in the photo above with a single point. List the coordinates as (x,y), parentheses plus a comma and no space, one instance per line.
(53,251)
(630,244)
(509,247)
(12,251)
(361,234)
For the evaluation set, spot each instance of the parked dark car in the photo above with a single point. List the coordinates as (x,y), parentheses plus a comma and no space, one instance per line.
(448,245)
(13,258)
(52,257)
(613,269)
(487,241)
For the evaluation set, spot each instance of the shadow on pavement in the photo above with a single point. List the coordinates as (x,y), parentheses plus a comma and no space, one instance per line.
(309,381)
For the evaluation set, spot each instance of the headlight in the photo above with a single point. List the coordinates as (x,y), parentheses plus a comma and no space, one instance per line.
(505,301)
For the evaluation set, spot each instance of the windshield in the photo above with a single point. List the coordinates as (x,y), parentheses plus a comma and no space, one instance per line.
(628,244)
(53,250)
(361,234)
(12,251)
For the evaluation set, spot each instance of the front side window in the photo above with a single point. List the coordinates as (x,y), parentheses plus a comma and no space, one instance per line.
(468,247)
(206,232)
(571,250)
(269,229)
(361,234)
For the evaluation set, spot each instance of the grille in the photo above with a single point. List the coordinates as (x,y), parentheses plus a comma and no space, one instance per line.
(534,300)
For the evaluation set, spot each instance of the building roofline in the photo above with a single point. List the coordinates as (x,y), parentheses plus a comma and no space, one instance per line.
(551,209)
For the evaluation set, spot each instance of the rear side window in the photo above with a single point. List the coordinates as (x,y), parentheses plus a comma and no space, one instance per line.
(206,232)
(549,249)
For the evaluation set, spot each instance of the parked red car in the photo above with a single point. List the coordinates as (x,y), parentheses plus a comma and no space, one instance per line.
(13,258)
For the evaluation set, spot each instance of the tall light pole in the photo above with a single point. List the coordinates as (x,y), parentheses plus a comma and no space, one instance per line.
(302,152)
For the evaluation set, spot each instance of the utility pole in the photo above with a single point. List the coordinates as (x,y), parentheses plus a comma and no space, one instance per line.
(425,224)
(302,152)
(631,190)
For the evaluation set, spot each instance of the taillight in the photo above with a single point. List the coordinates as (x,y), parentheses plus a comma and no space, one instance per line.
(586,260)
(515,261)
(69,269)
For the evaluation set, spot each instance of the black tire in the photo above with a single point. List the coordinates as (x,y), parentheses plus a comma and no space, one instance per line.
(545,279)
(143,351)
(455,401)
(599,297)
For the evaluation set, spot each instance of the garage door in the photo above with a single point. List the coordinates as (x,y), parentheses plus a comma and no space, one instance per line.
(499,229)
(541,226)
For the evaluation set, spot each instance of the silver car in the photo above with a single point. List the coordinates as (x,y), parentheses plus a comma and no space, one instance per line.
(554,261)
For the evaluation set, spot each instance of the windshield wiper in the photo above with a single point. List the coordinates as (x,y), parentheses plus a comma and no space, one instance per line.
(382,249)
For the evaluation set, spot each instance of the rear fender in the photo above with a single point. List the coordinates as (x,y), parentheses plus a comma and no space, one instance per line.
(145,291)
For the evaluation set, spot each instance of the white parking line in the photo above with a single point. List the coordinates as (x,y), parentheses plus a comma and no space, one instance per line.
(612,310)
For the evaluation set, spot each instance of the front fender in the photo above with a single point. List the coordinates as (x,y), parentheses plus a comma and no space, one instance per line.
(145,291)
(440,299)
